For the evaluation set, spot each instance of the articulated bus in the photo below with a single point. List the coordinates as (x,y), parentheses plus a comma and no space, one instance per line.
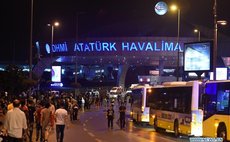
(139,111)
(191,108)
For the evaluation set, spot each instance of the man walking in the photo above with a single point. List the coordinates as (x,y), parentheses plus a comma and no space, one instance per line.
(15,122)
(45,121)
(122,110)
(61,116)
(110,116)
(30,118)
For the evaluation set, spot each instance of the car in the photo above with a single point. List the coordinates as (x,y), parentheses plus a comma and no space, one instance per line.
(115,91)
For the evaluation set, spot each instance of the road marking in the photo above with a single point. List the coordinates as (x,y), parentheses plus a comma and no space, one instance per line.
(91,134)
(98,140)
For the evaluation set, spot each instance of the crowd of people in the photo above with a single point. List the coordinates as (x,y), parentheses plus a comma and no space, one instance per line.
(23,115)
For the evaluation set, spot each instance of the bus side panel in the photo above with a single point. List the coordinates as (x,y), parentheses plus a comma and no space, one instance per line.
(165,120)
(136,114)
(210,125)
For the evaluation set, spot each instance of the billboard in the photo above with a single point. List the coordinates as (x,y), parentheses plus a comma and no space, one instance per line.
(198,56)
(56,74)
(221,73)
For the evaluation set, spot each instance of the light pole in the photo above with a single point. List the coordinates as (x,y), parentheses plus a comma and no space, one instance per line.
(55,24)
(175,8)
(198,32)
(215,38)
(31,40)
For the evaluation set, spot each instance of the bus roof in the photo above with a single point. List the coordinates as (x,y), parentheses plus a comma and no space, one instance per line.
(217,81)
(141,86)
(175,83)
(189,83)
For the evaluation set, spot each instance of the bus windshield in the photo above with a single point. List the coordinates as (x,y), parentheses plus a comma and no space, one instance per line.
(177,99)
(216,99)
(137,97)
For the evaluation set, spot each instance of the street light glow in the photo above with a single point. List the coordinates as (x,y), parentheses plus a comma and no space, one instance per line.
(196,30)
(56,24)
(222,22)
(174,7)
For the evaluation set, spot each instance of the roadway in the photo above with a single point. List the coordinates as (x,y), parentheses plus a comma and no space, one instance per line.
(92,127)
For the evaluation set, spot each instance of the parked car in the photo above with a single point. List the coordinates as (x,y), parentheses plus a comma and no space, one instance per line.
(115,91)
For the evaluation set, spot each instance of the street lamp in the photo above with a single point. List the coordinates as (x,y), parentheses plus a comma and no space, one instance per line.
(222,23)
(215,39)
(175,8)
(55,24)
(198,32)
(31,40)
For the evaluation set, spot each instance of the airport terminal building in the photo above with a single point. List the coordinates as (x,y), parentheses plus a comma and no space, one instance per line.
(115,61)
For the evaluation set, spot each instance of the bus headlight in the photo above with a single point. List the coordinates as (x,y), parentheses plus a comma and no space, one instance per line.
(142,109)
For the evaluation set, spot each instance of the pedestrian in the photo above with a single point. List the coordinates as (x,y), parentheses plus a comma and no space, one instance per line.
(110,117)
(75,111)
(30,118)
(61,116)
(15,123)
(52,110)
(45,121)
(38,121)
(122,110)
(83,104)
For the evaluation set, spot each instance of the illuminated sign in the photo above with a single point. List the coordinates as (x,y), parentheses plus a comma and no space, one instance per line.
(56,84)
(56,74)
(99,46)
(161,8)
(197,56)
(221,73)
(57,48)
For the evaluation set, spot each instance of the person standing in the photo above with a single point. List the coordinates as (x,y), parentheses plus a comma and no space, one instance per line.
(83,104)
(61,116)
(52,110)
(30,118)
(45,121)
(122,110)
(110,117)
(75,111)
(38,121)
(15,123)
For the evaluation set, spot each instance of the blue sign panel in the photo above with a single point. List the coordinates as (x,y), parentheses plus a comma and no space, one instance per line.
(122,46)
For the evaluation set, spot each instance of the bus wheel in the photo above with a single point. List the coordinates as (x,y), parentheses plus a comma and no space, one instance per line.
(222,132)
(176,129)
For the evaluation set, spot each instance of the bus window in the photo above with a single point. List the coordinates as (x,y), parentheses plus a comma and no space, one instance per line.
(209,102)
(223,102)
(176,99)
(137,97)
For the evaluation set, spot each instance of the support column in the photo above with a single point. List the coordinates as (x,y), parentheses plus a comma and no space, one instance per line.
(122,71)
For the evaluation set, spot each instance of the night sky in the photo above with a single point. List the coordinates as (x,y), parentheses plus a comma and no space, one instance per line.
(99,18)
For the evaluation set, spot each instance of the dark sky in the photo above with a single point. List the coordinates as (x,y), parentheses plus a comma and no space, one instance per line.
(99,18)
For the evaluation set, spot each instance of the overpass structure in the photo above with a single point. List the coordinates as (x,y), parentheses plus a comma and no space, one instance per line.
(159,52)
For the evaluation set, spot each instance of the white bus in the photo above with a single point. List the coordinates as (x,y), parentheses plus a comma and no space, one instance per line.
(191,108)
(139,111)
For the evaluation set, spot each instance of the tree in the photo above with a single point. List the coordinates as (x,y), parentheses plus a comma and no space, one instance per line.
(13,80)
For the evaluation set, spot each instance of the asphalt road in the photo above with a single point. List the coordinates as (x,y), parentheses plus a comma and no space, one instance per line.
(92,127)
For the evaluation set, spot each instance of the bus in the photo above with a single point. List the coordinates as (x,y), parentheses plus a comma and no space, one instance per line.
(139,111)
(192,108)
